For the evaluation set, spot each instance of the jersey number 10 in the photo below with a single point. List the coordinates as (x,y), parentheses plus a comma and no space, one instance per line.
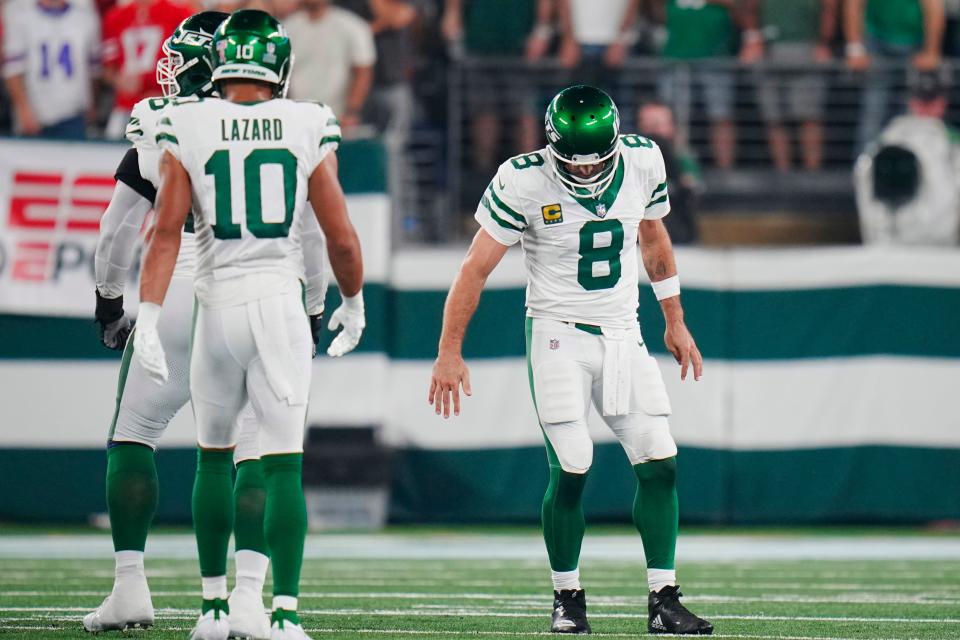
(218,166)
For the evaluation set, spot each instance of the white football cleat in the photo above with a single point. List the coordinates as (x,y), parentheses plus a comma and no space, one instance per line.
(248,617)
(212,625)
(127,607)
(289,631)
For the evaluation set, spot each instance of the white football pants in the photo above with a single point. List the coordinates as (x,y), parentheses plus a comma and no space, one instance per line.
(144,409)
(570,367)
(258,351)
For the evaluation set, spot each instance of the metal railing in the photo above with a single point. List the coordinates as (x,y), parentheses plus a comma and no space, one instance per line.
(513,93)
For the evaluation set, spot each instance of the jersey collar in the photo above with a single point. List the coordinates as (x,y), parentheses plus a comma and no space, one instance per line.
(600,206)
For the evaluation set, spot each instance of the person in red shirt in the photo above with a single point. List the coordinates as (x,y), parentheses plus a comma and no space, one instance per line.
(132,35)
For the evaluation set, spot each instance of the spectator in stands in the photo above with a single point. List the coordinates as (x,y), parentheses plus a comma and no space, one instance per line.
(391,101)
(132,36)
(699,31)
(889,31)
(597,31)
(655,121)
(335,54)
(50,51)
(798,35)
(908,181)
(499,28)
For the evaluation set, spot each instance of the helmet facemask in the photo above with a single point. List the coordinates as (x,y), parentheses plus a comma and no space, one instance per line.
(586,187)
(168,67)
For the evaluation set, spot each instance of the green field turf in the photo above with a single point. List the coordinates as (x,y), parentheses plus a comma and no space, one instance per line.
(510,597)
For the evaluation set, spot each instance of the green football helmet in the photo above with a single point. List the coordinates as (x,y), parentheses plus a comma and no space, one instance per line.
(252,45)
(185,69)
(583,129)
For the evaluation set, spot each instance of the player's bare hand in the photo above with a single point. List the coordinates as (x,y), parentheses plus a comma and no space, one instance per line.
(450,372)
(681,344)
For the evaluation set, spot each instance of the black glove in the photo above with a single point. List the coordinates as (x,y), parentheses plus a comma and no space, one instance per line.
(316,325)
(114,326)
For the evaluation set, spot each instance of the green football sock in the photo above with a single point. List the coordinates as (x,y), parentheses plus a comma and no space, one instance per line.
(249,494)
(285,520)
(563,522)
(656,512)
(132,494)
(213,509)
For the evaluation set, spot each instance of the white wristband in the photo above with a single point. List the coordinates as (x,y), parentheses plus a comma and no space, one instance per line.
(354,303)
(148,314)
(668,288)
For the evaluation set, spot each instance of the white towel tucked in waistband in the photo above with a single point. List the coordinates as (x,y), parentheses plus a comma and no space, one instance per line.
(616,372)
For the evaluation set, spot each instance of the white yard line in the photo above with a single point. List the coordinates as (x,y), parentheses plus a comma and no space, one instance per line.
(695,548)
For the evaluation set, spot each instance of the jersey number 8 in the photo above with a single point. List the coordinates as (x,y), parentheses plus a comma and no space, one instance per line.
(590,254)
(218,166)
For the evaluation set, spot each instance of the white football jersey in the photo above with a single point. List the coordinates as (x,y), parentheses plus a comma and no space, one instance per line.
(142,132)
(249,165)
(580,253)
(56,50)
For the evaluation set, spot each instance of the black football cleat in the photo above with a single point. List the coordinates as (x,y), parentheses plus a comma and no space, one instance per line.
(667,615)
(570,612)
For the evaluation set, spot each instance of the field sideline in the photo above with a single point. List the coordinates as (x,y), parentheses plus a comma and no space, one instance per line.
(464,584)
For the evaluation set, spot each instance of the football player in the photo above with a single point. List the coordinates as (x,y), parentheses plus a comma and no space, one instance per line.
(579,208)
(247,164)
(143,410)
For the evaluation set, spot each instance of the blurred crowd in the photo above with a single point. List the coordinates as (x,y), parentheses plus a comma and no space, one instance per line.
(74,68)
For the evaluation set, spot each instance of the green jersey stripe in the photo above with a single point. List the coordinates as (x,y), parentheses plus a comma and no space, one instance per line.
(660,187)
(500,221)
(659,200)
(503,207)
(328,139)
(169,137)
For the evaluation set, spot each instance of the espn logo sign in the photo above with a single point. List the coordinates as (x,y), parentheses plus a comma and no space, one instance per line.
(57,200)
(52,223)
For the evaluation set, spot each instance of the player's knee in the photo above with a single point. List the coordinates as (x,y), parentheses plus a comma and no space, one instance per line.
(132,428)
(571,446)
(658,472)
(274,439)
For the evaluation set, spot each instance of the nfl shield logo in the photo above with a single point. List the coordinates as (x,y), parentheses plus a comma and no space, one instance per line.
(554,344)
(601,209)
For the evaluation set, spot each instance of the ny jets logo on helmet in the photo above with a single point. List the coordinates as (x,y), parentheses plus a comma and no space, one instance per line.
(583,136)
(185,68)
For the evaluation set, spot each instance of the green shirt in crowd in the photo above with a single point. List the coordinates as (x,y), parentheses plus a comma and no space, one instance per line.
(498,27)
(791,20)
(697,29)
(897,22)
